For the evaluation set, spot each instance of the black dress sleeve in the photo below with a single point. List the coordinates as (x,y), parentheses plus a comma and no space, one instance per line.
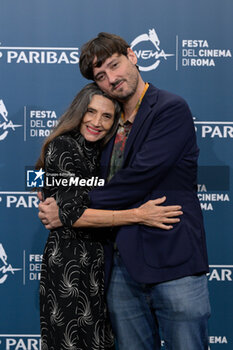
(64,164)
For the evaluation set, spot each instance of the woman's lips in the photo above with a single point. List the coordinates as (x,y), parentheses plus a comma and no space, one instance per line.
(92,130)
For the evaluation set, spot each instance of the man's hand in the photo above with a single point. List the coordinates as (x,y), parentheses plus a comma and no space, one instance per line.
(48,213)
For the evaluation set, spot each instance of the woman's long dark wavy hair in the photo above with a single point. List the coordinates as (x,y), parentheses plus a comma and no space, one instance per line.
(72,118)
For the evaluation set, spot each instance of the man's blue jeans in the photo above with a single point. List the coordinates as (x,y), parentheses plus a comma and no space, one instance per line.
(142,314)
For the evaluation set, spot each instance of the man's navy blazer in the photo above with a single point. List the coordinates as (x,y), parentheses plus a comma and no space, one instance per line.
(160,158)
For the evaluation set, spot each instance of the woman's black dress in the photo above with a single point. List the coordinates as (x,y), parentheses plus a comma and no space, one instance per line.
(72,304)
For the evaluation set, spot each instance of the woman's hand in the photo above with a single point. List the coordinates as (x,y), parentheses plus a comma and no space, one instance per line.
(152,213)
(49,213)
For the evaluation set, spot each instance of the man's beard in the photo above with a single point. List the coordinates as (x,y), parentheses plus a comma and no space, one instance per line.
(125,96)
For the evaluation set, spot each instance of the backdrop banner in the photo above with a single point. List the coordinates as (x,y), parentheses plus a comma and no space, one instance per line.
(182,46)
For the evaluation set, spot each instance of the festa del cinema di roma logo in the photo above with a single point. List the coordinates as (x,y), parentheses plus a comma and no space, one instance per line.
(5,123)
(147,49)
(5,268)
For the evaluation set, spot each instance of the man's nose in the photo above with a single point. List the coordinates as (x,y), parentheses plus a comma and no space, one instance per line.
(111,77)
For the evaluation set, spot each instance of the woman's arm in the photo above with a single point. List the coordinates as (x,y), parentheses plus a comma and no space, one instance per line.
(151,214)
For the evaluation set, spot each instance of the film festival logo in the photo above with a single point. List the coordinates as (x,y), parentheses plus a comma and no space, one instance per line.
(5,123)
(5,268)
(147,48)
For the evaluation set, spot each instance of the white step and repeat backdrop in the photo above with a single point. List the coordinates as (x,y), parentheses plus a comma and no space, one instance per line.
(182,46)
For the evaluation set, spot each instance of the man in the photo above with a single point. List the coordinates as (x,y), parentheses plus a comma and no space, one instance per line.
(158,286)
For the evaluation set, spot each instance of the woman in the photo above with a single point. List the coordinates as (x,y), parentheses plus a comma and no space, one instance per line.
(73,312)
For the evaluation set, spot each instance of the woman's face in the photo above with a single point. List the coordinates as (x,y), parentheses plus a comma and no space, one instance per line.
(98,119)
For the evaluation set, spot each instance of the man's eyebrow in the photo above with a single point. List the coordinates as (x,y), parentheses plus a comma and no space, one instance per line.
(112,60)
(108,64)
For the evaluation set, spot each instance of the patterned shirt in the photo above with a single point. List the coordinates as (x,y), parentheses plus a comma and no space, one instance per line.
(119,146)
(122,135)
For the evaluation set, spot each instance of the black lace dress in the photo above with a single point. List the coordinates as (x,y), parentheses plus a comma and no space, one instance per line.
(72,303)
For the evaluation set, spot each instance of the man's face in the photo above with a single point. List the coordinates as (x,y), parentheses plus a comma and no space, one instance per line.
(118,76)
